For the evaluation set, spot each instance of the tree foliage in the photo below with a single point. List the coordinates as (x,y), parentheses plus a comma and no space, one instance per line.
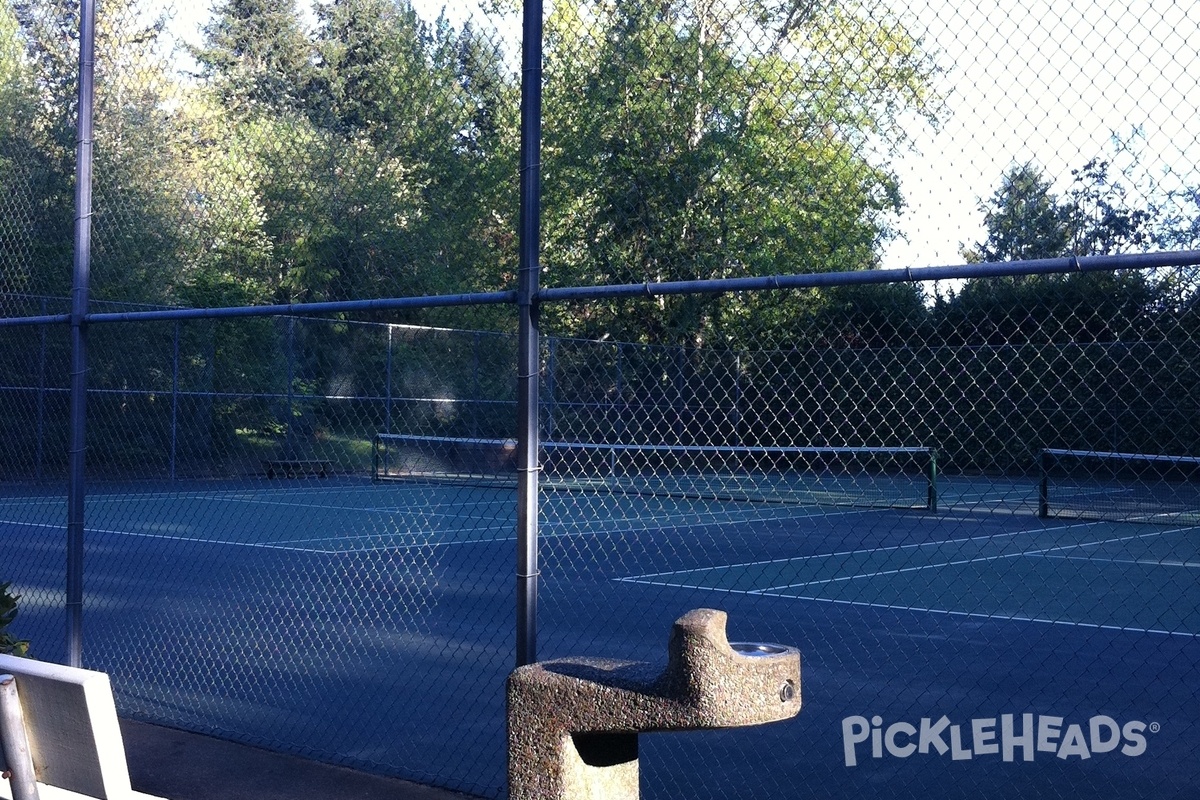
(366,152)
(256,55)
(10,644)
(679,152)
(1025,219)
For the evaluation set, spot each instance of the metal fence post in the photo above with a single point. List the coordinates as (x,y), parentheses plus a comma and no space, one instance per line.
(528,342)
(79,303)
(14,743)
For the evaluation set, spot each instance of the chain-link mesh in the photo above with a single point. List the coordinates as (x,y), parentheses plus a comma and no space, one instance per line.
(1042,574)
(246,576)
(970,503)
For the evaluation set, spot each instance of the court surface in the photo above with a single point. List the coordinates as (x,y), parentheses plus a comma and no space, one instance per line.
(297,598)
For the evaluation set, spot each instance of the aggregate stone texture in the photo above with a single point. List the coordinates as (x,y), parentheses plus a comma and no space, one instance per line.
(573,723)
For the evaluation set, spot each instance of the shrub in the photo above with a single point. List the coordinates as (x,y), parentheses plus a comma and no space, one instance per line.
(8,612)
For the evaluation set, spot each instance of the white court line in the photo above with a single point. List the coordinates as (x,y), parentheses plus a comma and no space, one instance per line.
(993,617)
(942,611)
(266,501)
(864,551)
(1131,561)
(309,550)
(228,543)
(782,592)
(974,560)
(178,538)
(409,532)
(307,545)
(34,502)
(641,578)
(652,525)
(54,525)
(262,499)
(565,530)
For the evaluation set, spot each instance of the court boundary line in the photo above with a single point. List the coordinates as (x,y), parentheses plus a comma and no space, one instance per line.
(780,591)
(999,557)
(926,610)
(866,551)
(1040,553)
(1131,561)
(687,520)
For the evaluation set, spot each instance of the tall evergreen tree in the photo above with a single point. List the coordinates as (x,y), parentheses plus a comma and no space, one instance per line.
(136,154)
(21,165)
(257,55)
(1024,219)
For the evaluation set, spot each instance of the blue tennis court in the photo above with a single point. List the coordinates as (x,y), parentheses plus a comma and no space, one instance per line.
(313,590)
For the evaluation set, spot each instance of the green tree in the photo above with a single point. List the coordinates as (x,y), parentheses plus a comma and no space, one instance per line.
(1102,221)
(38,147)
(256,55)
(1180,224)
(229,256)
(414,110)
(20,163)
(691,140)
(136,199)
(1024,219)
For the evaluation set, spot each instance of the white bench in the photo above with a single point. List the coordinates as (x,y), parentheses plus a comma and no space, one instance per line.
(73,736)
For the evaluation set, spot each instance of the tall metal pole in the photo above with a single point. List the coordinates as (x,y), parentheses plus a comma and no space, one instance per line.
(79,305)
(527,342)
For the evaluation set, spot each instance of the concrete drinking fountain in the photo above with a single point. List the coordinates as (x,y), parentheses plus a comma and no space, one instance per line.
(573,723)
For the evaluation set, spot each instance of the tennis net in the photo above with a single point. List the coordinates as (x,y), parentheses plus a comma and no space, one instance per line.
(879,477)
(1092,484)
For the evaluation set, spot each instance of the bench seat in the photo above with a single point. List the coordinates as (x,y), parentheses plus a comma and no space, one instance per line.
(73,734)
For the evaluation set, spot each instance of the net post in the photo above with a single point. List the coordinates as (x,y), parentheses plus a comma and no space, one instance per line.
(1044,484)
(933,481)
(174,405)
(375,459)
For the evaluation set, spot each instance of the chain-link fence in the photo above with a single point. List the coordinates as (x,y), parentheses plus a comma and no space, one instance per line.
(212,399)
(967,493)
(947,629)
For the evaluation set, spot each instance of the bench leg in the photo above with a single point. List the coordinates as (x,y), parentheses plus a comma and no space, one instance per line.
(15,742)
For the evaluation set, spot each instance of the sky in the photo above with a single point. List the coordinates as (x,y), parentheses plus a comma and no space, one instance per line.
(1048,82)
(1042,81)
